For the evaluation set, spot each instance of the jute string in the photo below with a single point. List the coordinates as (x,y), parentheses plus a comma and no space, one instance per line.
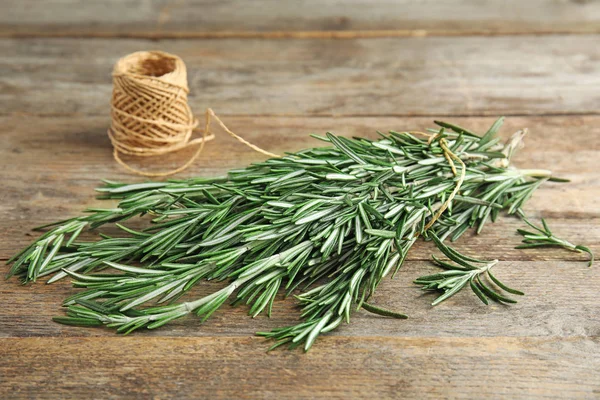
(150,113)
(449,155)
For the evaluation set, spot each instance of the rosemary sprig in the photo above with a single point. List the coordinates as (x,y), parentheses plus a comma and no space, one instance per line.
(543,237)
(325,225)
(469,271)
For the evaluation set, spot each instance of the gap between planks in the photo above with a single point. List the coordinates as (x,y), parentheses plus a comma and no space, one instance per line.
(330,115)
(360,34)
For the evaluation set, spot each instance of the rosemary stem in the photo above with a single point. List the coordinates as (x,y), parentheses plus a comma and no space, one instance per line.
(536,173)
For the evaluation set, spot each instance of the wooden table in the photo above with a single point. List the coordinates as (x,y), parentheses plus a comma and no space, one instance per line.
(275,72)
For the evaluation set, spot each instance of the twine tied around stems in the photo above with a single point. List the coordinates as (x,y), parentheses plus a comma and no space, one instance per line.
(449,155)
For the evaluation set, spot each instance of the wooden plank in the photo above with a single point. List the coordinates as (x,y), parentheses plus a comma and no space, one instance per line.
(342,368)
(358,77)
(66,157)
(53,164)
(193,18)
(560,301)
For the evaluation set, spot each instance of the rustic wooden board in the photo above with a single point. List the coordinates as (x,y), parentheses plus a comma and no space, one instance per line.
(533,348)
(391,76)
(534,60)
(556,304)
(193,18)
(344,367)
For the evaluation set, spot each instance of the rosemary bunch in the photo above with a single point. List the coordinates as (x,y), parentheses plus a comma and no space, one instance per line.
(326,224)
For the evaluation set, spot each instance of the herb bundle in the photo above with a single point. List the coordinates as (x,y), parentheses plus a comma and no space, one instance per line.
(326,223)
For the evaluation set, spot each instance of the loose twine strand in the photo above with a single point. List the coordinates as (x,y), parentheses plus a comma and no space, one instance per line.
(150,113)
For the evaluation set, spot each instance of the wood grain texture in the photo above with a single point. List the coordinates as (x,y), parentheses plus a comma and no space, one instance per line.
(66,158)
(52,165)
(344,367)
(536,60)
(556,304)
(358,77)
(194,18)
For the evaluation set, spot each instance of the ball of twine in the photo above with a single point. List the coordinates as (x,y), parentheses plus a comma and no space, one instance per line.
(150,113)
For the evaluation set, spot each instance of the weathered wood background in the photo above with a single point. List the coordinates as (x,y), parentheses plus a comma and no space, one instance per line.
(276,71)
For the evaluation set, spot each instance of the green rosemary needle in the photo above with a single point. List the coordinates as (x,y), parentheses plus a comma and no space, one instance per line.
(325,224)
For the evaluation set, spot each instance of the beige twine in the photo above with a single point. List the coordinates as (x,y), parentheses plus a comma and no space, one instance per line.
(449,155)
(150,113)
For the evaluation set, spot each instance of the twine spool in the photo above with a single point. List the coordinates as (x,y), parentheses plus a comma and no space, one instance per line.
(150,113)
